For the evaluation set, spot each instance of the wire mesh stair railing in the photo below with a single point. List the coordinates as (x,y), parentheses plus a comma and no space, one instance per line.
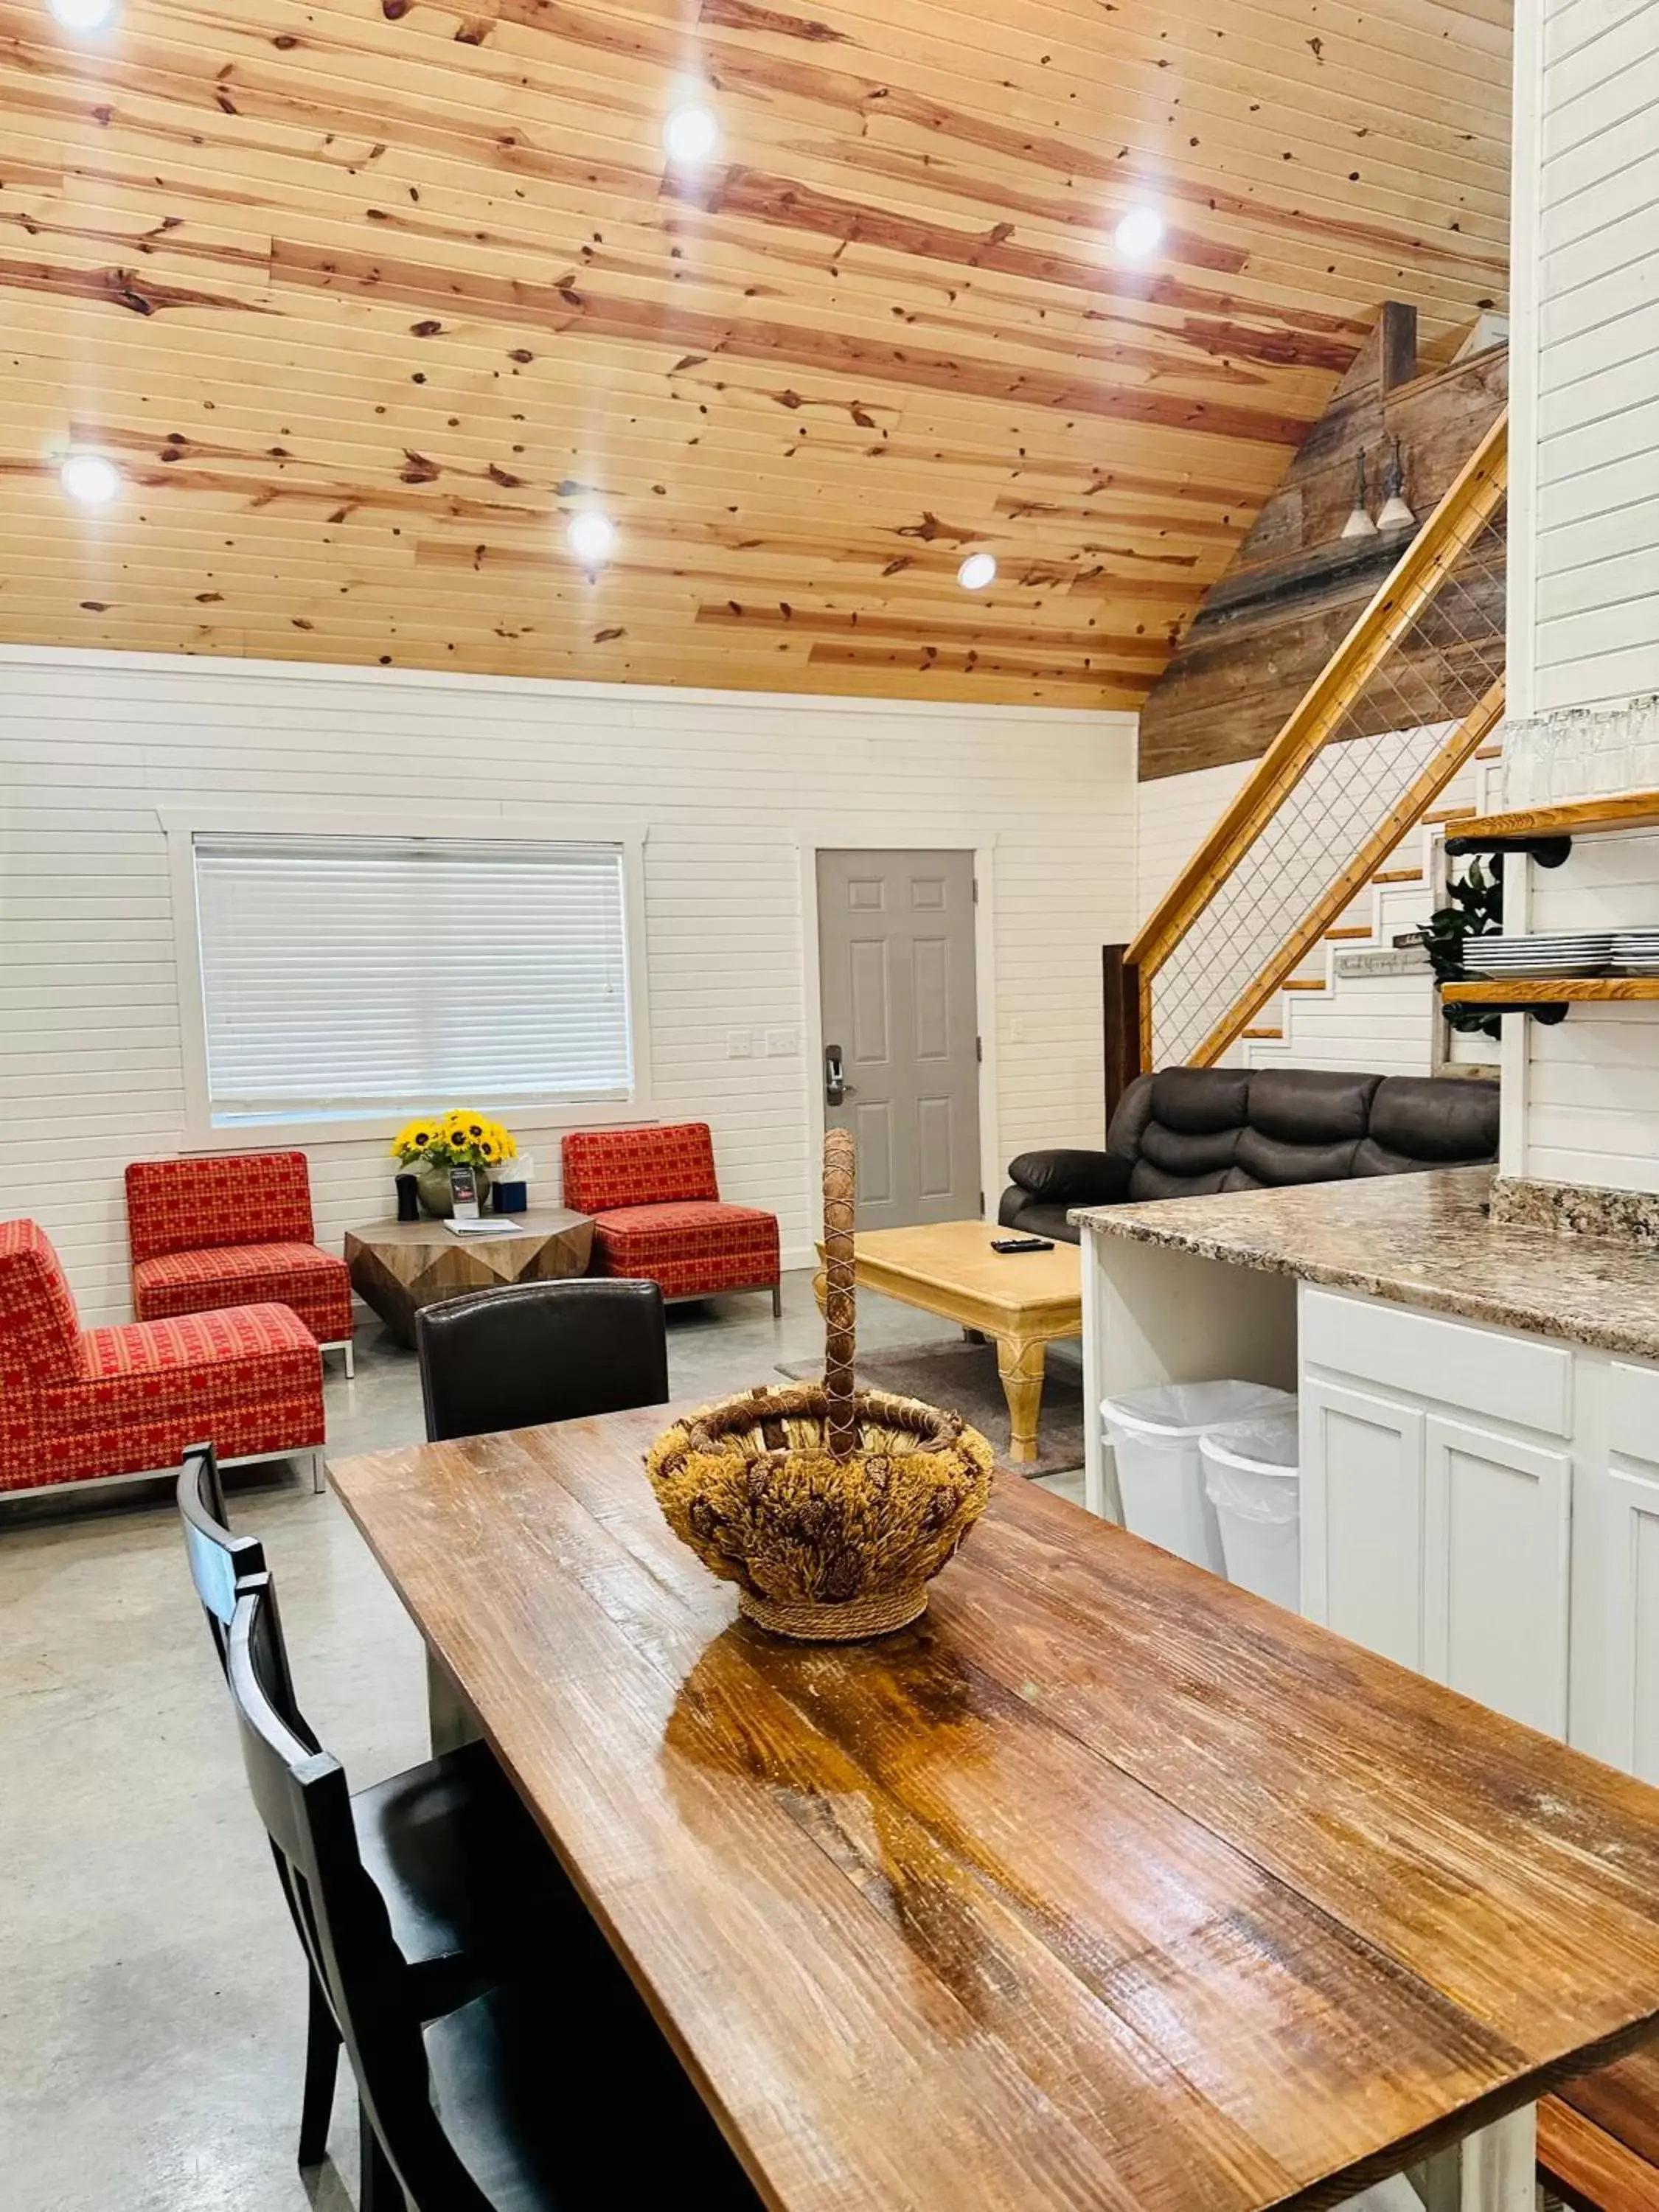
(1411,693)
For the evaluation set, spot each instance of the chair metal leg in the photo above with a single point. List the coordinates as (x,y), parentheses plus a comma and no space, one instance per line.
(777,1301)
(316,1475)
(322,2060)
(352,1362)
(377,2187)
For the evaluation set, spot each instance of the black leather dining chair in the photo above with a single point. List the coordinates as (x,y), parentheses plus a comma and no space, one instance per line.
(531,1352)
(456,1860)
(554,2092)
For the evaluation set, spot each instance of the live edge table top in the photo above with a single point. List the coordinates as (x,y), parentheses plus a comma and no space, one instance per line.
(1105,1886)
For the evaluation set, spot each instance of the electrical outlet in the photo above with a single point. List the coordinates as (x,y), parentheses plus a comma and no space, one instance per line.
(739,1044)
(782,1044)
(1016,1030)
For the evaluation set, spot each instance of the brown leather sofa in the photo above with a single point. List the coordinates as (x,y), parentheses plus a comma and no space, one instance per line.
(1188,1131)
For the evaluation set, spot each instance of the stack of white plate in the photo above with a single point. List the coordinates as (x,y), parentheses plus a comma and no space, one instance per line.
(1636,952)
(1556,952)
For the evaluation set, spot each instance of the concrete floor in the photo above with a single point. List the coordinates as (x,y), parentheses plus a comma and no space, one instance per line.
(152,1997)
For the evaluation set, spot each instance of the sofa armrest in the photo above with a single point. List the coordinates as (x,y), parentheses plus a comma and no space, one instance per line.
(1065,1177)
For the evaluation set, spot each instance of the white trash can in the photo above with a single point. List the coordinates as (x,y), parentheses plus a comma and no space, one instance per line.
(1252,1472)
(1154,1436)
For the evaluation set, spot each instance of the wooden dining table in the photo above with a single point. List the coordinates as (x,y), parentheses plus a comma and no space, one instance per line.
(1106,1885)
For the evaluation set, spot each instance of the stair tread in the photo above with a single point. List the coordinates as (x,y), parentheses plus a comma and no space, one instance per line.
(1302,983)
(1280,1034)
(1398,875)
(1362,929)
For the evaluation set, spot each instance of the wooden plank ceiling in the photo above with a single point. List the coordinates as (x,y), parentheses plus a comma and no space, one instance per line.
(367,299)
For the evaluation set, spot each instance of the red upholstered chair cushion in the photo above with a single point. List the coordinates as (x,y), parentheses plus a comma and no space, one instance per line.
(604,1168)
(317,1286)
(40,1329)
(242,1197)
(693,1249)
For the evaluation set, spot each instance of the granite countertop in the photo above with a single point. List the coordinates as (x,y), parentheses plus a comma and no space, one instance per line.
(1426,1240)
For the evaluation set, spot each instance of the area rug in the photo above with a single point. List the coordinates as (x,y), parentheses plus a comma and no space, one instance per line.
(963,1378)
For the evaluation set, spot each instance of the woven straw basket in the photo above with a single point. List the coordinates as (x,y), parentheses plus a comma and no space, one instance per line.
(830,1508)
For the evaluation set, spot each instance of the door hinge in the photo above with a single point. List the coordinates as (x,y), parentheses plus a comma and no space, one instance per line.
(976,891)
(979,1049)
(981,1203)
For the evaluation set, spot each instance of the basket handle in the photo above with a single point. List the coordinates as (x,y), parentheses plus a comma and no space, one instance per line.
(841,1427)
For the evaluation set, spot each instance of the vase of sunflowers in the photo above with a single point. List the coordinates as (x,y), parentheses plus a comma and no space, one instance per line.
(429,1148)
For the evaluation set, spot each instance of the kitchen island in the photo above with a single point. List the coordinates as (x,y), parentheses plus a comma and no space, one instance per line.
(1479,1423)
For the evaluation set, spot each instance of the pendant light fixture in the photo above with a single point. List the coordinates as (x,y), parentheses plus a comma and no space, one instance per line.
(1395,515)
(1359,523)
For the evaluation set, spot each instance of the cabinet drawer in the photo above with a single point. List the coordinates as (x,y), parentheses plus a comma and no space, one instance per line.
(1633,1419)
(1476,1370)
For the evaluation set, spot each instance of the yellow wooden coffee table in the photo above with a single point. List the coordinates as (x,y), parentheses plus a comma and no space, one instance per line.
(1023,1300)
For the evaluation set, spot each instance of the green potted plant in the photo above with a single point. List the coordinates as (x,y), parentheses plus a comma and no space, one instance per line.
(1475,909)
(461,1137)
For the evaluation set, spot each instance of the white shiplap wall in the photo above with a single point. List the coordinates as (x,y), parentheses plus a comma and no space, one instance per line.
(1592,1084)
(726,788)
(1175,813)
(1594,319)
(1583,1099)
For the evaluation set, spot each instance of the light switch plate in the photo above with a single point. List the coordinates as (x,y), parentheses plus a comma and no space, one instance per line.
(739,1044)
(782,1044)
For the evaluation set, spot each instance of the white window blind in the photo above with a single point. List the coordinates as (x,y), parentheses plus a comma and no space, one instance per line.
(352,975)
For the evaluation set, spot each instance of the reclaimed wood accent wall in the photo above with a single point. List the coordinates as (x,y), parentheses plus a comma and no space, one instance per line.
(366,297)
(1296,585)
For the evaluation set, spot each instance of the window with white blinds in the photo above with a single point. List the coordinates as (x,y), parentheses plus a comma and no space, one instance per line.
(358,976)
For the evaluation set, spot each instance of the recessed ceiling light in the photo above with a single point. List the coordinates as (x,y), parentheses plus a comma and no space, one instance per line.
(978,570)
(592,536)
(82,15)
(90,479)
(691,134)
(1140,232)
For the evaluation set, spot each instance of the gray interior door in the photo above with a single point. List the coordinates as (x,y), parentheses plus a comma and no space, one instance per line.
(900,1054)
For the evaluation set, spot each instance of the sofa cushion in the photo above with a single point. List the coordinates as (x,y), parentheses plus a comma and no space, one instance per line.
(604,1168)
(1070,1177)
(693,1249)
(1148,1182)
(229,1197)
(1312,1106)
(1437,1118)
(1272,1161)
(1189,1152)
(40,1329)
(314,1285)
(1199,1101)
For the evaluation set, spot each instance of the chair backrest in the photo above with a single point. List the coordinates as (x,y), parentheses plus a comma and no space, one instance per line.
(40,1336)
(605,1169)
(197,1206)
(301,1796)
(540,1351)
(220,1563)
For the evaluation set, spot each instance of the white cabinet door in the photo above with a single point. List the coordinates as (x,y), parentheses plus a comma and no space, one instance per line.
(1632,1621)
(1495,1556)
(1362,1518)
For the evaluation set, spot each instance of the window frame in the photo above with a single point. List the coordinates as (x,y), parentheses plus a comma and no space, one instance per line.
(181,826)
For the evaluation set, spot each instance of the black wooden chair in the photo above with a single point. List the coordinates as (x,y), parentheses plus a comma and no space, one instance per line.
(554,2092)
(457,1861)
(531,1352)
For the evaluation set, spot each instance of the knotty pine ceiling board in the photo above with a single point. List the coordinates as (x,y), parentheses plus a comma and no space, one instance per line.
(365,300)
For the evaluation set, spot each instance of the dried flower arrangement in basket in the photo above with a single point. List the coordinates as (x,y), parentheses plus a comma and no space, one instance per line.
(831,1508)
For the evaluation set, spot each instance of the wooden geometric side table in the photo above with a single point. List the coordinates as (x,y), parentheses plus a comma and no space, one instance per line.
(399,1267)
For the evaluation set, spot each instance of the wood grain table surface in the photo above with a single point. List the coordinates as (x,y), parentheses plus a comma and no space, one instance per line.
(1105,1886)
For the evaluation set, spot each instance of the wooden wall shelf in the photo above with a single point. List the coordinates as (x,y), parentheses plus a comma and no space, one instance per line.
(1548,999)
(1555,990)
(1546,832)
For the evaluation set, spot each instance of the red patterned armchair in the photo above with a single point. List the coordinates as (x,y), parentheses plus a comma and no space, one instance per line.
(233,1230)
(657,1212)
(81,1405)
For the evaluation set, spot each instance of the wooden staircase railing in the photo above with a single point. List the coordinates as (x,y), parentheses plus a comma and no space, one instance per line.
(1316,820)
